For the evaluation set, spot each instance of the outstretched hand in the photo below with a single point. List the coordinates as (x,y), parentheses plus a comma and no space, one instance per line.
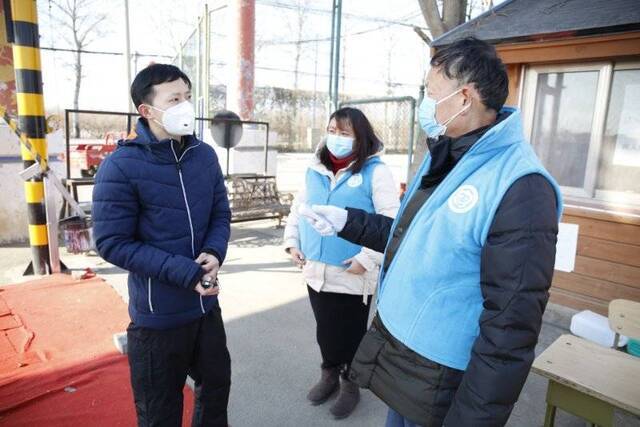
(327,220)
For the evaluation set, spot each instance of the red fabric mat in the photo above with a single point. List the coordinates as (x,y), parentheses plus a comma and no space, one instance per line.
(58,363)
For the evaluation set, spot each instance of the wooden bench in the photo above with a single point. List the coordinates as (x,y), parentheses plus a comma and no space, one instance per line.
(589,380)
(254,197)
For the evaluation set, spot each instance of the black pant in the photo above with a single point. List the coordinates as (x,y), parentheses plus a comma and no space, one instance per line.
(160,360)
(341,322)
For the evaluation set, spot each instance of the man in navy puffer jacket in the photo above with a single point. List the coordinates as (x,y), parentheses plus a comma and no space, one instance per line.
(160,211)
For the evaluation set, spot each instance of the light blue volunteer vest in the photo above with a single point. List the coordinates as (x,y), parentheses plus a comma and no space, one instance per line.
(352,190)
(430,297)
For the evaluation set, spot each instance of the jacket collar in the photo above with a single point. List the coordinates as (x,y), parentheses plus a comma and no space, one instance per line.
(162,149)
(507,131)
(144,137)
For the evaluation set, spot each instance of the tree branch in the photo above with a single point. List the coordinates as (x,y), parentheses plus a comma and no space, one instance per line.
(425,38)
(91,28)
(432,17)
(453,12)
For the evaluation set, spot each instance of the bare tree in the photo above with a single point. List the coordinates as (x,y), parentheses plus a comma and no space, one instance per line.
(171,37)
(442,19)
(302,9)
(81,26)
(478,5)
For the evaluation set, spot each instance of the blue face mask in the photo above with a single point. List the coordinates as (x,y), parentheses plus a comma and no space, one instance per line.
(339,146)
(427,116)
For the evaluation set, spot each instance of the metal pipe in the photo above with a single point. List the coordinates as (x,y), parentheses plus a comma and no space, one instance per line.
(266,152)
(67,137)
(127,53)
(227,143)
(245,62)
(333,42)
(374,100)
(412,121)
(336,79)
(207,60)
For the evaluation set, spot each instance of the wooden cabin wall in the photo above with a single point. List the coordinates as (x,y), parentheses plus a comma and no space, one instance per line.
(607,263)
(514,72)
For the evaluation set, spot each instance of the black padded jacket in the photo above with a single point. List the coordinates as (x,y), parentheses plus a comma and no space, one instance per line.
(517,263)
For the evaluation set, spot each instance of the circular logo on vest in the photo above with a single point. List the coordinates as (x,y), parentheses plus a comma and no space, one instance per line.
(464,199)
(355,180)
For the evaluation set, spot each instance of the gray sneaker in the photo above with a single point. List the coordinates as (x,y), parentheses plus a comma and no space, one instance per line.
(328,384)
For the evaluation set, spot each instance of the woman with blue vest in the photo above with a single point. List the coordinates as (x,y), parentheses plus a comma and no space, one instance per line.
(346,170)
(468,261)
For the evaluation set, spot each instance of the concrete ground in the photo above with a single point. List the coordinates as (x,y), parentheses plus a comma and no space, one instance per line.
(270,330)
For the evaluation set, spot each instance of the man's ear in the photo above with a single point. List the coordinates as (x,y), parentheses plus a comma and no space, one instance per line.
(467,94)
(144,110)
(470,94)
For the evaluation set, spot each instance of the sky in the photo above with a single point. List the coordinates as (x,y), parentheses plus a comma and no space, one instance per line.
(379,46)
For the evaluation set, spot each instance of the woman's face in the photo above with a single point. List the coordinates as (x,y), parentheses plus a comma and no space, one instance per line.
(342,129)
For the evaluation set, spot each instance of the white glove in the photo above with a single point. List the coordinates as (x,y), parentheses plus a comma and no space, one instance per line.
(320,224)
(336,217)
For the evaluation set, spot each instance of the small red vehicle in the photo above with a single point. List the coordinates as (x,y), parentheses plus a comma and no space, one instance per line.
(87,157)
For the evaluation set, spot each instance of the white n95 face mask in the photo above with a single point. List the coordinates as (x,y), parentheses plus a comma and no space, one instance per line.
(179,119)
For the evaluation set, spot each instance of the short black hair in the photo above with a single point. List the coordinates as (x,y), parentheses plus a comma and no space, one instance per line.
(366,144)
(470,60)
(154,74)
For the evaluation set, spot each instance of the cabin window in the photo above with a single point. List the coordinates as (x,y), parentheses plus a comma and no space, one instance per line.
(584,123)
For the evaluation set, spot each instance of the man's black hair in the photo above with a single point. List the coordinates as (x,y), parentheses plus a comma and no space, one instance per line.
(154,74)
(470,60)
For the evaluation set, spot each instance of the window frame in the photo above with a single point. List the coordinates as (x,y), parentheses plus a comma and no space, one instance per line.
(605,75)
(611,196)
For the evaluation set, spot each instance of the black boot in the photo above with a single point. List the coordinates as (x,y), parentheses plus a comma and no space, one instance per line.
(348,397)
(327,385)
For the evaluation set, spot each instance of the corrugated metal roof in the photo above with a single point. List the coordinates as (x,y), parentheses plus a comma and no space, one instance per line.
(522,20)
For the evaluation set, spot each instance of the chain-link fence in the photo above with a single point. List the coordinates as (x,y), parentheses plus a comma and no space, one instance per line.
(393,119)
(291,63)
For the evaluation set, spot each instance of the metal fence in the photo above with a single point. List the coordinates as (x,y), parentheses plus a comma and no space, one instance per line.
(393,119)
(297,112)
(84,153)
(193,59)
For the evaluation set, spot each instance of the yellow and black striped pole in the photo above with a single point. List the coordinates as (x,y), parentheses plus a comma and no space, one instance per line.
(31,116)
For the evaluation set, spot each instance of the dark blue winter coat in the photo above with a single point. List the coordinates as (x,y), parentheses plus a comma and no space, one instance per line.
(155,209)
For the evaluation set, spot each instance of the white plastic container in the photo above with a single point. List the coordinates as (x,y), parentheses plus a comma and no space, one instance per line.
(595,327)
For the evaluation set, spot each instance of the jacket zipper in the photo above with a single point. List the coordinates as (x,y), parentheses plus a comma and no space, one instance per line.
(149,294)
(186,202)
